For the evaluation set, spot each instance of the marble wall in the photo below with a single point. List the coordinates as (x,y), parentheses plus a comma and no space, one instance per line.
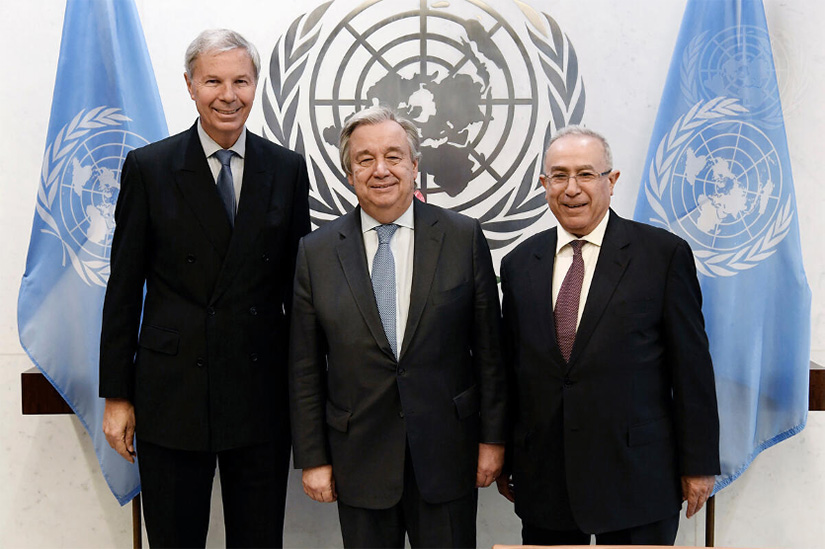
(53,494)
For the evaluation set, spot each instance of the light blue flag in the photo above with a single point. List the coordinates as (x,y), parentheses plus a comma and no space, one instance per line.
(718,174)
(105,104)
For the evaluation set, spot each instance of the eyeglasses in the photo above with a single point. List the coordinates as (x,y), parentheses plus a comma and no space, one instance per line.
(582,178)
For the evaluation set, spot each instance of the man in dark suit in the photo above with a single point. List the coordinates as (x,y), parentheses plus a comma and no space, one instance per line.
(615,418)
(397,399)
(196,367)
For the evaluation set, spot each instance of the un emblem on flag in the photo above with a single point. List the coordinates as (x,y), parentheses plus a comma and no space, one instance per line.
(79,185)
(735,62)
(479,85)
(716,180)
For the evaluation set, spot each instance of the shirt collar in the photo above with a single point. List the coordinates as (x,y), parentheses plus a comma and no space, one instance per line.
(210,147)
(596,236)
(406,219)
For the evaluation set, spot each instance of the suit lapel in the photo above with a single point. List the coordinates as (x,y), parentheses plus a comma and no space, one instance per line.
(541,282)
(428,238)
(195,181)
(353,261)
(256,189)
(614,258)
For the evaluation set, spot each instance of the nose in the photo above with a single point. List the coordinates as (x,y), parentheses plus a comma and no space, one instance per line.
(381,168)
(572,188)
(227,93)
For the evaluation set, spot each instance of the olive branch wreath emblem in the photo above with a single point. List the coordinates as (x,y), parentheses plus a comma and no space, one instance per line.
(92,272)
(709,263)
(518,208)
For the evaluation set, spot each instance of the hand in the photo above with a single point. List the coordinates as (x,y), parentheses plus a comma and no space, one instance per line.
(319,484)
(696,491)
(119,427)
(505,487)
(490,462)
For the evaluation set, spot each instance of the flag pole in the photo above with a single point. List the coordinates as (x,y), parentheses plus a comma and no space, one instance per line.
(137,529)
(710,521)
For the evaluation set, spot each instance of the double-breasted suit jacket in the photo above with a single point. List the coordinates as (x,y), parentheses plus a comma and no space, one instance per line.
(202,355)
(354,405)
(614,429)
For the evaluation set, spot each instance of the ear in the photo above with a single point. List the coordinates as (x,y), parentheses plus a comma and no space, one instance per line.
(189,86)
(545,182)
(613,177)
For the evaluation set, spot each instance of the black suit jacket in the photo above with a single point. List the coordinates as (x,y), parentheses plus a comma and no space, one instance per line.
(354,406)
(635,408)
(203,354)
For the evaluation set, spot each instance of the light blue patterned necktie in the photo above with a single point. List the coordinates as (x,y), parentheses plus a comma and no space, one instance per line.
(226,186)
(383,282)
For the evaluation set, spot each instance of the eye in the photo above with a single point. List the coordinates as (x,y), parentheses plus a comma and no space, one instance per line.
(559,178)
(586,177)
(394,159)
(366,162)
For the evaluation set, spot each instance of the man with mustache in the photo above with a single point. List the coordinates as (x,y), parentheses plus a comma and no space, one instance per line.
(613,396)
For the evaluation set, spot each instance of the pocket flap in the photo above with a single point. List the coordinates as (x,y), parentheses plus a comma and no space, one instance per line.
(338,418)
(652,431)
(161,340)
(467,402)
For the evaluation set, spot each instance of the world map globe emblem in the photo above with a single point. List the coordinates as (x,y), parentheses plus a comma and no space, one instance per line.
(726,187)
(480,85)
(738,62)
(88,189)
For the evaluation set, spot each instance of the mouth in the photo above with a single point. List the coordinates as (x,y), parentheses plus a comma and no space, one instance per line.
(382,186)
(227,112)
(574,206)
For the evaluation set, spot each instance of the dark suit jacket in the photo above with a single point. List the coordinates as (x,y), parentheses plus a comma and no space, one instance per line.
(354,406)
(634,409)
(208,370)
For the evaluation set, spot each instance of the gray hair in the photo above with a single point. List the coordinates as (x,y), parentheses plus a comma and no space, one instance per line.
(220,40)
(368,117)
(587,132)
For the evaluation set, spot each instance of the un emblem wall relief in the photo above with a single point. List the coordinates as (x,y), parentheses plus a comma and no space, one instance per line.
(485,89)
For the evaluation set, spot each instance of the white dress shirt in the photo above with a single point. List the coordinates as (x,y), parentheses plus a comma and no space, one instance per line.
(590,255)
(402,247)
(236,164)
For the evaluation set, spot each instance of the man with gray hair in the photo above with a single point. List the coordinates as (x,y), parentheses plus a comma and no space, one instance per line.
(397,389)
(195,321)
(613,398)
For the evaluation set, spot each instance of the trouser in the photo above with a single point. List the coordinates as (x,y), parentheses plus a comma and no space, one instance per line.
(176,490)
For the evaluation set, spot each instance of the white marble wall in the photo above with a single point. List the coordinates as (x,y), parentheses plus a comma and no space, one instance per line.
(51,490)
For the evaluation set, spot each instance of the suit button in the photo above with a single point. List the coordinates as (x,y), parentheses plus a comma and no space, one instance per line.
(210,311)
(190,258)
(200,362)
(402,372)
(401,414)
(253,357)
(265,258)
(567,383)
(253,311)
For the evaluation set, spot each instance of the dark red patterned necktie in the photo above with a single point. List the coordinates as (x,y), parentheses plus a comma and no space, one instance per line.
(567,302)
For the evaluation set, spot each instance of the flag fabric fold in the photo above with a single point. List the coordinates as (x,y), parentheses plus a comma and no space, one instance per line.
(718,174)
(105,103)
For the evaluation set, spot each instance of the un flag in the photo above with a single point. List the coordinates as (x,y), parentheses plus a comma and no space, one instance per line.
(718,174)
(105,103)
